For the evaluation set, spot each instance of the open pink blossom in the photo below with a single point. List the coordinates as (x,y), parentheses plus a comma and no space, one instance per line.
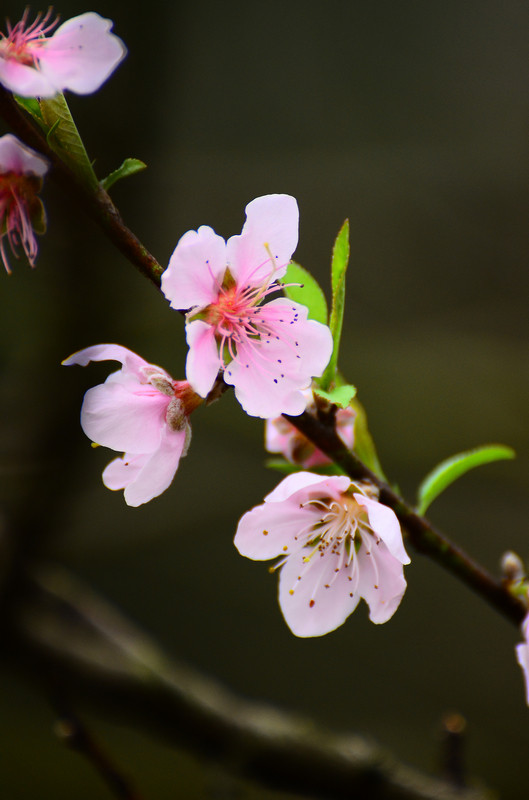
(80,55)
(337,544)
(522,655)
(282,437)
(22,214)
(269,352)
(142,411)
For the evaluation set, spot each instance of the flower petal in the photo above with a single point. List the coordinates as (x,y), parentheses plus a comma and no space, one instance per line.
(380,580)
(16,157)
(81,54)
(303,486)
(271,529)
(386,525)
(146,477)
(108,352)
(270,231)
(25,80)
(196,269)
(125,420)
(314,598)
(203,361)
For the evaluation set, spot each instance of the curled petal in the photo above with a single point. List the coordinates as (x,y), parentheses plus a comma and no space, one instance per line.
(196,269)
(386,525)
(16,157)
(107,352)
(303,486)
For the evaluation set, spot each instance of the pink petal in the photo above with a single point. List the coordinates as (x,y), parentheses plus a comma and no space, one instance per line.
(303,486)
(130,421)
(25,80)
(271,229)
(81,54)
(148,477)
(196,269)
(386,525)
(522,656)
(314,340)
(203,361)
(380,581)
(322,599)
(108,352)
(17,157)
(271,529)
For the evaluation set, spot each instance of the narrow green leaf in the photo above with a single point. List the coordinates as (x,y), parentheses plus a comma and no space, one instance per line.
(129,167)
(309,293)
(31,105)
(364,446)
(340,396)
(339,263)
(452,468)
(64,139)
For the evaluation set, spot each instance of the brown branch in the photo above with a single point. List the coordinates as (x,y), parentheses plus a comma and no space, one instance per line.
(64,634)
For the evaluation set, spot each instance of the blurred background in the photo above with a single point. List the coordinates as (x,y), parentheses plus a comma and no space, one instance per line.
(412,120)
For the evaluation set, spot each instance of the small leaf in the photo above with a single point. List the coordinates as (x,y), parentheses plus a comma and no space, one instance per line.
(287,468)
(309,293)
(339,263)
(341,396)
(129,167)
(31,105)
(364,446)
(452,468)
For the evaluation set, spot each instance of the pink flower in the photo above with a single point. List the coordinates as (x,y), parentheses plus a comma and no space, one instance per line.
(80,55)
(269,352)
(337,544)
(139,410)
(21,211)
(282,437)
(522,655)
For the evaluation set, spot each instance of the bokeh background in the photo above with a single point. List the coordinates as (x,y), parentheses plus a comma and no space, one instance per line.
(412,120)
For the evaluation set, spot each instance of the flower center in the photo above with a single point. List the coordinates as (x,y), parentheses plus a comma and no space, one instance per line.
(23,41)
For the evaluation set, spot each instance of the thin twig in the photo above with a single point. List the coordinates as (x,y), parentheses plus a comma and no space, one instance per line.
(75,735)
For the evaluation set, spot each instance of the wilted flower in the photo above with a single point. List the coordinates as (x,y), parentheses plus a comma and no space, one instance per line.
(269,352)
(283,437)
(337,543)
(141,411)
(79,56)
(22,214)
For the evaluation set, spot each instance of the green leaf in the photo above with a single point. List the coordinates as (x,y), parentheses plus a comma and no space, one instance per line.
(129,167)
(286,468)
(339,263)
(364,446)
(31,105)
(64,139)
(340,396)
(309,293)
(452,468)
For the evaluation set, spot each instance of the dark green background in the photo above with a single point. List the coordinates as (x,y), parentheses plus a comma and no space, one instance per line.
(411,119)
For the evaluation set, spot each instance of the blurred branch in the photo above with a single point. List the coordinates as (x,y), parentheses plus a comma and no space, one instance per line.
(75,735)
(65,635)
